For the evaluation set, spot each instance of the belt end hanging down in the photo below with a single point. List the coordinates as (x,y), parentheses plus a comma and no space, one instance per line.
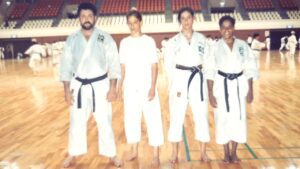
(226,94)
(201,84)
(79,98)
(93,92)
(227,102)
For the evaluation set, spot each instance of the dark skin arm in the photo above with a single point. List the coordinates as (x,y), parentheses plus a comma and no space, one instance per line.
(213,101)
(250,91)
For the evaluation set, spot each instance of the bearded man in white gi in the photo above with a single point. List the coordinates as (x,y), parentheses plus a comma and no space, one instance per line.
(89,71)
(230,71)
(185,54)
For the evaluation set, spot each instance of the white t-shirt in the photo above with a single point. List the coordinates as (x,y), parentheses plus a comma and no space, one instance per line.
(138,54)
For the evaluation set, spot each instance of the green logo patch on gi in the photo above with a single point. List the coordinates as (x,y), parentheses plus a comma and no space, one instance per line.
(201,48)
(241,51)
(100,38)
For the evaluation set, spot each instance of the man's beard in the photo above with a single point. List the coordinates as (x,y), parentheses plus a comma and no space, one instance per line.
(85,27)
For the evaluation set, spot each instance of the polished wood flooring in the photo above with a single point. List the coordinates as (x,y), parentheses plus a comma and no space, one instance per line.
(34,122)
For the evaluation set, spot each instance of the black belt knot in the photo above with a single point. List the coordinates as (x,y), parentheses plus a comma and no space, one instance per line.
(194,70)
(230,76)
(88,82)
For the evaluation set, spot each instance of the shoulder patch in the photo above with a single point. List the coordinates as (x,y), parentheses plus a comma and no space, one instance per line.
(201,47)
(241,50)
(100,38)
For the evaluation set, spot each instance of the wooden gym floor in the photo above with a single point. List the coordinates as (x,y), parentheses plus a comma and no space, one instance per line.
(34,122)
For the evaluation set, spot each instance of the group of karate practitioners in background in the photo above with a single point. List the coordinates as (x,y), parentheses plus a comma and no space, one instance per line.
(94,75)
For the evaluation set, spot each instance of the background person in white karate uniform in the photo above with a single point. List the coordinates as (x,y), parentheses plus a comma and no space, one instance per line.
(268,43)
(139,64)
(185,54)
(282,43)
(299,43)
(292,43)
(2,57)
(36,52)
(249,40)
(89,71)
(257,46)
(2,52)
(230,71)
(57,49)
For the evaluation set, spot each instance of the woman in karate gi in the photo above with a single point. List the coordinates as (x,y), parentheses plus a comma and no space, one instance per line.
(230,71)
(185,55)
(139,59)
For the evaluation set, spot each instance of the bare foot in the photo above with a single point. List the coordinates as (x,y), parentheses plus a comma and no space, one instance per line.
(174,159)
(226,160)
(155,162)
(116,162)
(132,157)
(235,159)
(69,161)
(205,158)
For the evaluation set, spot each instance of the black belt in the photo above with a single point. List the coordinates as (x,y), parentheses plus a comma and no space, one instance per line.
(194,70)
(88,82)
(230,76)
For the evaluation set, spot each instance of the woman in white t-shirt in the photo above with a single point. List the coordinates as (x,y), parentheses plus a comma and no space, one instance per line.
(138,58)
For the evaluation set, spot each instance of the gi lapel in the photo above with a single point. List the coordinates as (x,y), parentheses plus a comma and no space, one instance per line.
(86,53)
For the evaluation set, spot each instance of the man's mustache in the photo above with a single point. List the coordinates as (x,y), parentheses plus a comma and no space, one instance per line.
(87,22)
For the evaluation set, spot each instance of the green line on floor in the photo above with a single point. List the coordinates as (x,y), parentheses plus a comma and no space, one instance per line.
(261,159)
(186,146)
(251,151)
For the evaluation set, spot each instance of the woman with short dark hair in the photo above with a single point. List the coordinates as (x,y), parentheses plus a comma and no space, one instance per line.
(139,59)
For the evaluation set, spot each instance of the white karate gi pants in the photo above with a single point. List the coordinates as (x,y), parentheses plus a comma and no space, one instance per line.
(257,57)
(292,50)
(178,105)
(35,62)
(282,46)
(232,125)
(1,55)
(102,114)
